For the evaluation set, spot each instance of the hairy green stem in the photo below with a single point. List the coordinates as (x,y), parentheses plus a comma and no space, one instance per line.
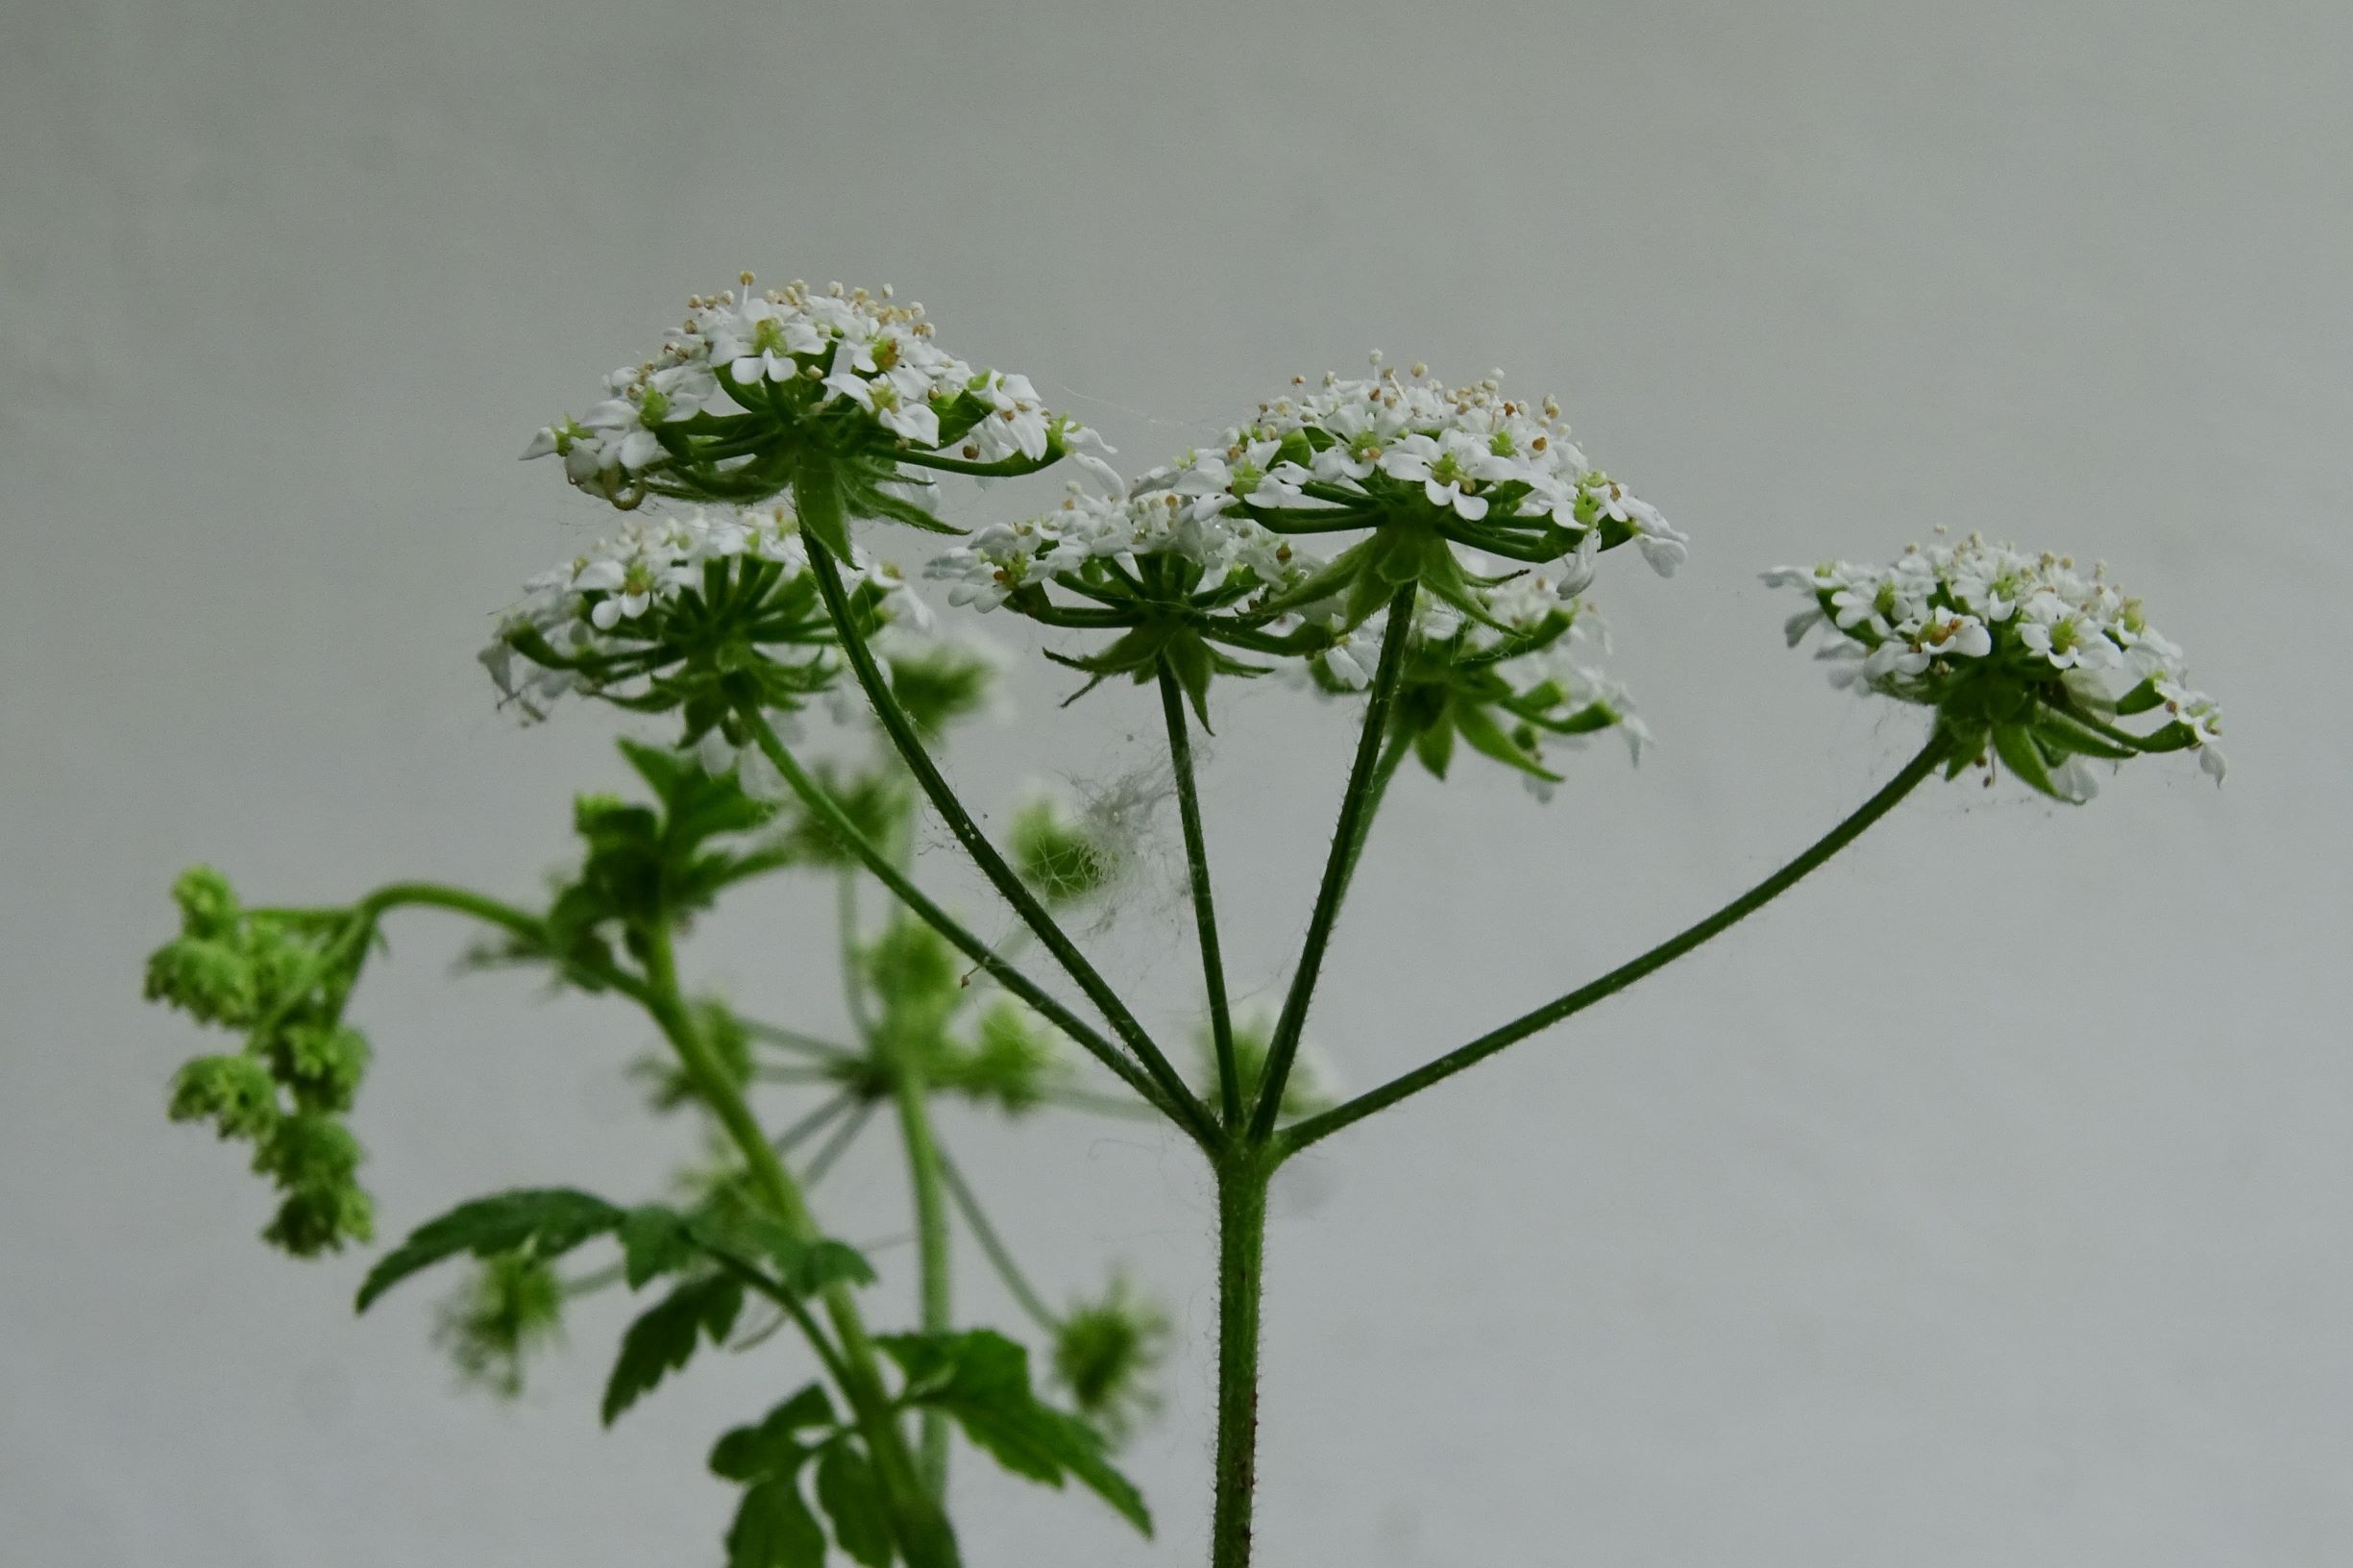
(1346,837)
(1319,1127)
(846,926)
(1205,906)
(922,1528)
(810,1125)
(1383,771)
(1243,1178)
(923,1176)
(517,922)
(812,794)
(837,1146)
(1189,1112)
(1000,1257)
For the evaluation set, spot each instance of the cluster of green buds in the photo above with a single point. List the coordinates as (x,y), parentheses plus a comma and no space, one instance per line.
(280,978)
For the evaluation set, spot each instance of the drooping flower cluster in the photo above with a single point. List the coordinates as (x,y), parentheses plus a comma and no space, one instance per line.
(280,978)
(757,391)
(2021,650)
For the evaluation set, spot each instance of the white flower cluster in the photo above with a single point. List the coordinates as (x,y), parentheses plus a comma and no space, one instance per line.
(999,561)
(1466,449)
(602,607)
(1911,629)
(842,352)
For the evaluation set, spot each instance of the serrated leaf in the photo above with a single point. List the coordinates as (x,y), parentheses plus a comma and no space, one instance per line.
(851,1495)
(981,1380)
(803,1267)
(654,1240)
(774,1529)
(663,1338)
(549,1220)
(773,1444)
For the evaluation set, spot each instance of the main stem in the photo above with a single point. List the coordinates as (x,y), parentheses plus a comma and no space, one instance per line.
(1243,1178)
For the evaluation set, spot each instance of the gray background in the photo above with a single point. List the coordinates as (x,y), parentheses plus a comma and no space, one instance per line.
(1985,1201)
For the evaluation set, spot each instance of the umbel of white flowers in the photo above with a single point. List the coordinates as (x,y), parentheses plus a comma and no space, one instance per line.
(2019,652)
(756,387)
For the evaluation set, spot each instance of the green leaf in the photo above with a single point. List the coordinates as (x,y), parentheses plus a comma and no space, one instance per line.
(852,1498)
(981,1380)
(663,1338)
(654,1240)
(773,1445)
(805,1268)
(774,1529)
(549,1220)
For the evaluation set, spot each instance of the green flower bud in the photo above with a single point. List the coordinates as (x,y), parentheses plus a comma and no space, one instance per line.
(512,1307)
(321,1219)
(1057,853)
(877,804)
(308,1149)
(1106,1352)
(207,904)
(236,1094)
(321,1063)
(1014,1061)
(915,973)
(212,981)
(939,682)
